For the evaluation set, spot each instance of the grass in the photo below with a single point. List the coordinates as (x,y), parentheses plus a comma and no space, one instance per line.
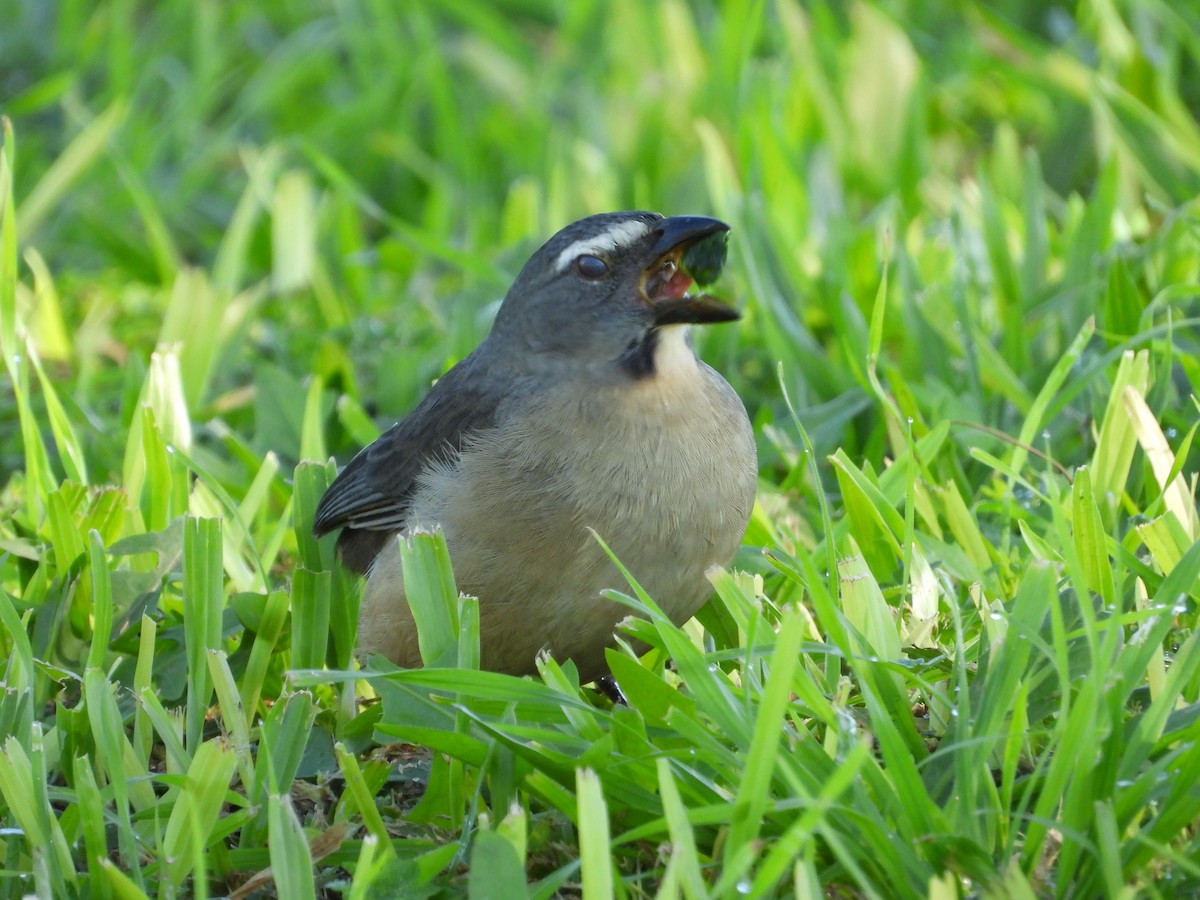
(957,655)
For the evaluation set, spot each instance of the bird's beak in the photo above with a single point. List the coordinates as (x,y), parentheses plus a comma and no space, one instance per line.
(688,249)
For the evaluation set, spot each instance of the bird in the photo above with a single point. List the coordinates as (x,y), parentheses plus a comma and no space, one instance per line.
(585,411)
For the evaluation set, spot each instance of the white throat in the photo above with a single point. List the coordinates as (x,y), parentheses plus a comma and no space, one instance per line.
(674,357)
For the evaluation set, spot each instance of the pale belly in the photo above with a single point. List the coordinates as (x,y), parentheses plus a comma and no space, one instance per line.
(669,493)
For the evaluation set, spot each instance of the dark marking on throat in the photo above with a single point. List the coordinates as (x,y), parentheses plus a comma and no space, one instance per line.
(638,359)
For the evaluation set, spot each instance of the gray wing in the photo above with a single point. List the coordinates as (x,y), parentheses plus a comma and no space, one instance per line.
(371,497)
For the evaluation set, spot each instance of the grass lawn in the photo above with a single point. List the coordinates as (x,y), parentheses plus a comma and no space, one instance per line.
(957,655)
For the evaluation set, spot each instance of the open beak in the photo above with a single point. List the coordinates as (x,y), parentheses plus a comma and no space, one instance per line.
(689,249)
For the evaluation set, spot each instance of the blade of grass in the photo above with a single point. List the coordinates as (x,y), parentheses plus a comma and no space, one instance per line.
(291,861)
(203,600)
(595,852)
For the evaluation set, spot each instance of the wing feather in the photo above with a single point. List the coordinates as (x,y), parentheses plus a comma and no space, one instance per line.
(372,496)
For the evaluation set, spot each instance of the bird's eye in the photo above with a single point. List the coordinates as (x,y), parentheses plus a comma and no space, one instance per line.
(591,267)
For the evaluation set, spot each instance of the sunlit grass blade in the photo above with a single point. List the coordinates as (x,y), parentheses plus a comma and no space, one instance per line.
(291,861)
(293,232)
(107,729)
(595,854)
(761,760)
(684,855)
(1117,440)
(284,735)
(194,322)
(204,601)
(162,421)
(496,872)
(1090,538)
(195,812)
(66,439)
(169,728)
(865,608)
(1176,494)
(102,602)
(23,785)
(121,885)
(310,602)
(432,595)
(233,716)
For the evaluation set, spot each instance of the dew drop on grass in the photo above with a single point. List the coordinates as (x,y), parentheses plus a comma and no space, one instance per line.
(1023,496)
(1171,432)
(743,886)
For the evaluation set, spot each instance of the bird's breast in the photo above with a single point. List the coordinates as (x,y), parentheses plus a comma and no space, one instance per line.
(660,466)
(664,473)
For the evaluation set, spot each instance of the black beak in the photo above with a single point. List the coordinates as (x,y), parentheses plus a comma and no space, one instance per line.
(677,230)
(699,310)
(693,246)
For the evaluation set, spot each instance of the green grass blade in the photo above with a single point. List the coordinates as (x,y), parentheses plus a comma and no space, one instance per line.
(595,853)
(196,810)
(107,729)
(432,594)
(204,601)
(761,759)
(291,860)
(102,601)
(496,872)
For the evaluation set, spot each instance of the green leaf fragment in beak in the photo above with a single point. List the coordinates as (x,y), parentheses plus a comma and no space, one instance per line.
(704,259)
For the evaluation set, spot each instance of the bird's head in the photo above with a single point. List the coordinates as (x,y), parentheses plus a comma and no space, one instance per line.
(601,288)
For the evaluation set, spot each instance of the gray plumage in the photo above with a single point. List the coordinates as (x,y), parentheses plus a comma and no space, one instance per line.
(584,408)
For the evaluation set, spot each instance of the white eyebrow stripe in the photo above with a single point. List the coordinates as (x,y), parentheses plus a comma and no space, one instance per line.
(617,236)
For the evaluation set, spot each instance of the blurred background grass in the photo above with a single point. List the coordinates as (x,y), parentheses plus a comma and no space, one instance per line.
(357,182)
